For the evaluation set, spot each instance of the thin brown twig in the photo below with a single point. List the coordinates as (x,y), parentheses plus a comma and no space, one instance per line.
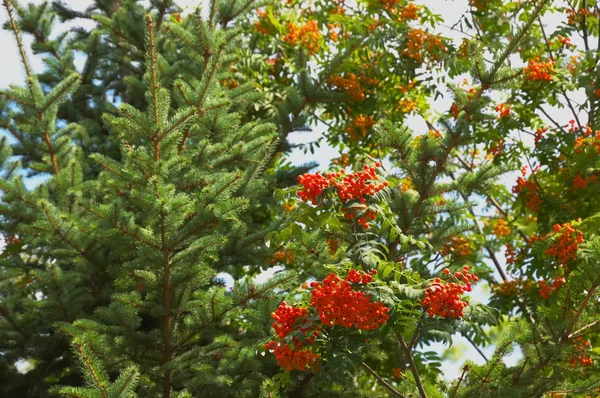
(382,381)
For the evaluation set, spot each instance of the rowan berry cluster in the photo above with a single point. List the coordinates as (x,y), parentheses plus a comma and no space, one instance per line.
(295,355)
(503,110)
(539,70)
(454,110)
(406,184)
(539,134)
(396,373)
(262,25)
(359,127)
(388,4)
(574,63)
(420,43)
(588,139)
(458,246)
(288,207)
(342,161)
(333,34)
(501,228)
(333,246)
(565,41)
(510,254)
(443,299)
(285,317)
(507,288)
(406,105)
(409,12)
(353,186)
(283,256)
(338,303)
(547,288)
(513,287)
(581,357)
(308,35)
(290,358)
(530,189)
(352,85)
(575,17)
(567,240)
(496,148)
(581,183)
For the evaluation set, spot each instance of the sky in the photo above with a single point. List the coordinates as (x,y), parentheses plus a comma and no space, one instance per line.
(11,72)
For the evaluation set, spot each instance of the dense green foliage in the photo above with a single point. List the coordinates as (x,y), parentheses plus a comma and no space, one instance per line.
(164,163)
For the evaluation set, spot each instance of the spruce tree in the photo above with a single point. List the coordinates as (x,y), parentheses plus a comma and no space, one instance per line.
(153,161)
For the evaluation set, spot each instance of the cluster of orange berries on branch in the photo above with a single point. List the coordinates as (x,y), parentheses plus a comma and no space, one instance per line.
(567,240)
(290,358)
(458,246)
(574,63)
(283,256)
(230,83)
(503,110)
(539,134)
(396,373)
(352,186)
(342,161)
(530,189)
(420,43)
(496,148)
(406,184)
(333,246)
(308,35)
(338,303)
(581,357)
(581,183)
(454,110)
(295,355)
(409,12)
(285,317)
(359,127)
(565,41)
(406,105)
(501,228)
(507,288)
(333,34)
(547,288)
(387,5)
(575,17)
(352,85)
(288,206)
(588,139)
(510,254)
(443,299)
(262,25)
(539,70)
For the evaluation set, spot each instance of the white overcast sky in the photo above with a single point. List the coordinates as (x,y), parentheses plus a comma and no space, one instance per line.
(11,73)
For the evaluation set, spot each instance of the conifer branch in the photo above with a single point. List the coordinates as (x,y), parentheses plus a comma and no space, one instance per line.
(391,389)
(15,29)
(4,313)
(152,62)
(462,376)
(34,88)
(166,298)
